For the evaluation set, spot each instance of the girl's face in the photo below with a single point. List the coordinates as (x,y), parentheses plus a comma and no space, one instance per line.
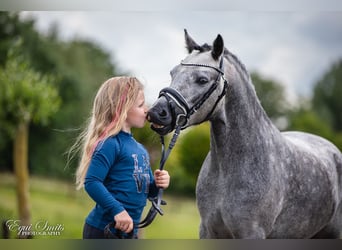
(136,116)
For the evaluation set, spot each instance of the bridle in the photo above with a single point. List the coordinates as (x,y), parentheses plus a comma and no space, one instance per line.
(175,99)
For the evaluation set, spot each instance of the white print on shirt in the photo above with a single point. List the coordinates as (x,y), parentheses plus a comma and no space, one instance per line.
(141,174)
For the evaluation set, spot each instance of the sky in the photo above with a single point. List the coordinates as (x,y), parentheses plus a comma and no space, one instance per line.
(294,48)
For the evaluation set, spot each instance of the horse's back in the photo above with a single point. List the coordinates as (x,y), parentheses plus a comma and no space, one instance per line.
(307,140)
(314,145)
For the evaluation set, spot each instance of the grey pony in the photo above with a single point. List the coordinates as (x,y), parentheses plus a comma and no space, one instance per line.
(256,182)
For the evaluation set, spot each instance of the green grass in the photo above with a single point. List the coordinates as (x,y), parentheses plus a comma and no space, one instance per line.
(58,203)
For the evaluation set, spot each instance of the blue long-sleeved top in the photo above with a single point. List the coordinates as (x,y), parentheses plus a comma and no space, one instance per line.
(119,178)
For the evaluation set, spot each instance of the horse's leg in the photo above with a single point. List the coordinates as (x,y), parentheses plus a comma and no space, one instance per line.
(250,232)
(328,232)
(334,229)
(218,233)
(203,232)
(213,227)
(217,229)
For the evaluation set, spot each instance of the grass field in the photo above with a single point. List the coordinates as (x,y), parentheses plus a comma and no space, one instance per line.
(59,204)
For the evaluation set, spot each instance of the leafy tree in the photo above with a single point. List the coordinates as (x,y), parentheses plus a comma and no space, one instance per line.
(9,23)
(322,114)
(327,97)
(307,120)
(80,66)
(272,98)
(193,146)
(25,96)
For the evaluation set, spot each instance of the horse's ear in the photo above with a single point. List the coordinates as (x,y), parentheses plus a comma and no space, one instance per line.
(190,43)
(218,46)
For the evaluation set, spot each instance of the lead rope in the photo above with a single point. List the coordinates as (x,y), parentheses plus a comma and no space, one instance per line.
(157,201)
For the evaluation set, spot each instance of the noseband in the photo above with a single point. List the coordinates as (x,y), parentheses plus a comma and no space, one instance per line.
(174,98)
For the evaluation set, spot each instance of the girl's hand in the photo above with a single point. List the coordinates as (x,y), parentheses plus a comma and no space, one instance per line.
(161,178)
(124,222)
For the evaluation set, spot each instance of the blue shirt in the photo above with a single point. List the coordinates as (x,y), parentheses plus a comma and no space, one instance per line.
(119,178)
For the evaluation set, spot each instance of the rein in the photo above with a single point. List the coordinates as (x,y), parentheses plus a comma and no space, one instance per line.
(157,201)
(175,98)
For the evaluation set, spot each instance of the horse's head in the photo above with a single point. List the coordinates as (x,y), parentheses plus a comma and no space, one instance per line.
(197,86)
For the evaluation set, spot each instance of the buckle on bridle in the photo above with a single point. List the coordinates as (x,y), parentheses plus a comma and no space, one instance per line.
(179,121)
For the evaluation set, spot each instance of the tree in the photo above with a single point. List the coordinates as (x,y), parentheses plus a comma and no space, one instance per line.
(193,146)
(80,65)
(327,96)
(305,119)
(25,96)
(272,98)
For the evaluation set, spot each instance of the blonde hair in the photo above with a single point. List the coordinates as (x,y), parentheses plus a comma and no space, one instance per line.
(112,102)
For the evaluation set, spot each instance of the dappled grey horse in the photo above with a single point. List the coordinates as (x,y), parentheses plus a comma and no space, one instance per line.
(256,182)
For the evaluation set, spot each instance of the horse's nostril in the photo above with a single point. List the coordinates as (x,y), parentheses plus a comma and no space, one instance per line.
(163,113)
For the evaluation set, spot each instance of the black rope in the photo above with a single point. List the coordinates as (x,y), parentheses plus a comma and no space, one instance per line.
(157,201)
(118,233)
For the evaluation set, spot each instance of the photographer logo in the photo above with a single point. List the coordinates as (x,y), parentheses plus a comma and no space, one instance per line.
(40,228)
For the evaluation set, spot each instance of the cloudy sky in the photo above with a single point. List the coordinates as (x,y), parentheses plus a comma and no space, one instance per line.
(293,47)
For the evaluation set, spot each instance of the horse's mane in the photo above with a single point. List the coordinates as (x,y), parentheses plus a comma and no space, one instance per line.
(205,47)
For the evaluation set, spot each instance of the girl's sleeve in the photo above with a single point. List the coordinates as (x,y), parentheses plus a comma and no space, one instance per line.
(100,164)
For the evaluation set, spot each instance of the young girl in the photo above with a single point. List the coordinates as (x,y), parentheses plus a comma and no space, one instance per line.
(114,168)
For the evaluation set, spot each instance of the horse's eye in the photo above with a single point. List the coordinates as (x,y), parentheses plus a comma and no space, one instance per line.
(202,80)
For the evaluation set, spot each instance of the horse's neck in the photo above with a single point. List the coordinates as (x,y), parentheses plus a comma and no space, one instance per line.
(242,123)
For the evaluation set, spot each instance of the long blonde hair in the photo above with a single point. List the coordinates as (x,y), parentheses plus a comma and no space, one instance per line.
(112,102)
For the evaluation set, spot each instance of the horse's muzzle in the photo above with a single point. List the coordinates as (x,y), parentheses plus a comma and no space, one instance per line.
(171,110)
(160,118)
